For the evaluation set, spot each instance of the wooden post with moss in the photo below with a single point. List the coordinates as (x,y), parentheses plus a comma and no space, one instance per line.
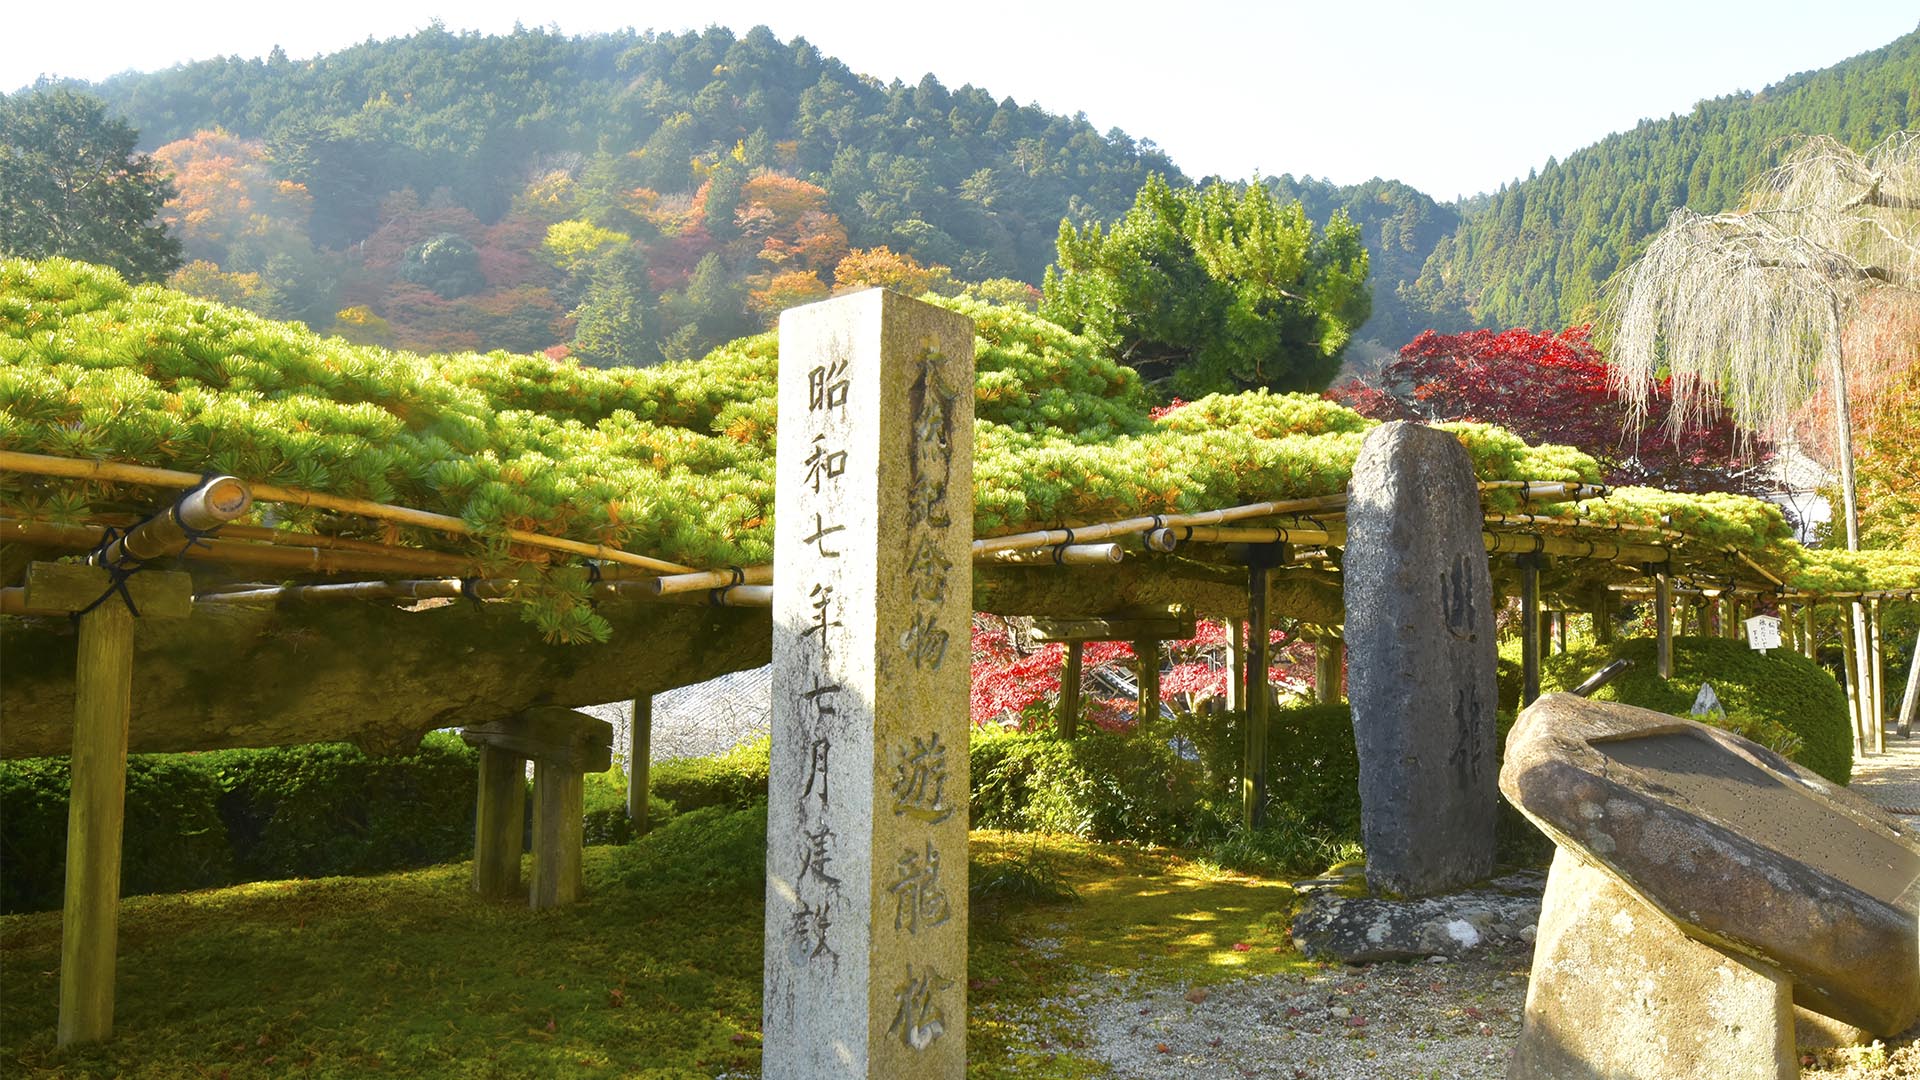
(1663,624)
(1602,616)
(1067,724)
(1146,653)
(1809,636)
(96,811)
(1877,681)
(1253,774)
(564,746)
(1329,659)
(499,820)
(640,763)
(1532,636)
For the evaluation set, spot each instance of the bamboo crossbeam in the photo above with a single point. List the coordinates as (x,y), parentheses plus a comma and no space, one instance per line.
(1046,538)
(46,465)
(1065,555)
(455,588)
(1166,540)
(208,506)
(1517,544)
(278,556)
(710,579)
(1577,523)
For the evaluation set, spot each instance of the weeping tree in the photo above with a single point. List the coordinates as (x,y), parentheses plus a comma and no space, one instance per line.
(1748,311)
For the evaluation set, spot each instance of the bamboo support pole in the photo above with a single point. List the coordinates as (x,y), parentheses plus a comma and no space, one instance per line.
(278,556)
(1809,638)
(1558,522)
(44,465)
(640,763)
(1044,538)
(1068,722)
(711,579)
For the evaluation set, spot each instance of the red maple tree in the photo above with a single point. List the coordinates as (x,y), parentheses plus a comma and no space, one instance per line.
(1547,387)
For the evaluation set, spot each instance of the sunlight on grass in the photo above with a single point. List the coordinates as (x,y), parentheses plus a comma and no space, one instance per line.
(655,975)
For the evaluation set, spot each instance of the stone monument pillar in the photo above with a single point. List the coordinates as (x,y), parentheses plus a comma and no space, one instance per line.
(1420,661)
(866,924)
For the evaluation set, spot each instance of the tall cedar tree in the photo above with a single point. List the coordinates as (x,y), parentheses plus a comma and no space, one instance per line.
(71,184)
(1214,290)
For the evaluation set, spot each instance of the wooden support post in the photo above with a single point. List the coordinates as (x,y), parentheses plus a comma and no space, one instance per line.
(1911,699)
(1850,675)
(1663,625)
(1532,638)
(96,809)
(90,919)
(1068,723)
(1862,669)
(1809,635)
(1603,617)
(1329,660)
(1253,776)
(1877,678)
(559,820)
(1560,631)
(640,763)
(1237,666)
(499,823)
(1147,709)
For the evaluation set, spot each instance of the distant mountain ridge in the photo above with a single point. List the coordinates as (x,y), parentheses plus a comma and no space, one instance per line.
(470,122)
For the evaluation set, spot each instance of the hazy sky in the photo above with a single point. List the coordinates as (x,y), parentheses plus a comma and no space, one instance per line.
(1452,96)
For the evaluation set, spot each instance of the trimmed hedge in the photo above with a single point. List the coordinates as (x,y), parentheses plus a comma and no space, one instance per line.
(202,820)
(1781,688)
(733,779)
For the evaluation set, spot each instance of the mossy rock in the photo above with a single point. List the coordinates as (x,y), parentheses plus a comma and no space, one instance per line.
(1779,688)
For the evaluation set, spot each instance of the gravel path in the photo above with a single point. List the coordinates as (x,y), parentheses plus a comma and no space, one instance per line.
(1432,1021)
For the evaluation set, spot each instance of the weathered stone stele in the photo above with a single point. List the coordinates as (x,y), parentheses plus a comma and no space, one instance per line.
(1619,993)
(1738,847)
(1421,656)
(866,923)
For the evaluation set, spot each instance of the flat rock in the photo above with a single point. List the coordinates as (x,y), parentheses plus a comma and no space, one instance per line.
(1369,930)
(1738,847)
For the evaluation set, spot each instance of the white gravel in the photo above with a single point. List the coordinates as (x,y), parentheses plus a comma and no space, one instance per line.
(1454,1020)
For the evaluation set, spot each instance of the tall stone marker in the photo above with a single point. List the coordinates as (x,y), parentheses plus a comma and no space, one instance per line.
(1420,661)
(866,931)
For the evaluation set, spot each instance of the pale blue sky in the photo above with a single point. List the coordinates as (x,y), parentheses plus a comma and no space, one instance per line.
(1452,96)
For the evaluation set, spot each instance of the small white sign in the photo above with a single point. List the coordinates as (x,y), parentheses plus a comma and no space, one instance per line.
(1763,633)
(1706,704)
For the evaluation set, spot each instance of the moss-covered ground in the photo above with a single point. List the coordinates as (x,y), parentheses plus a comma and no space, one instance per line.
(656,974)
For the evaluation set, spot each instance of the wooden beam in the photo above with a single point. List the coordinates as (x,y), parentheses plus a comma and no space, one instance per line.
(559,825)
(1068,722)
(550,734)
(64,587)
(1170,624)
(499,823)
(640,762)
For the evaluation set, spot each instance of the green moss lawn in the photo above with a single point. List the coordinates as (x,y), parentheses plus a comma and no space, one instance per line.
(656,974)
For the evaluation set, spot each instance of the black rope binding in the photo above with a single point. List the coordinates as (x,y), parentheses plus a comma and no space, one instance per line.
(470,588)
(118,571)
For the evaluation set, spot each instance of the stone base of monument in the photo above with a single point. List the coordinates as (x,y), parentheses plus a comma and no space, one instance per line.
(1620,993)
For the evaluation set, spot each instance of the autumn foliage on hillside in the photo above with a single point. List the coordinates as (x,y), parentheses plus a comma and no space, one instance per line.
(1552,388)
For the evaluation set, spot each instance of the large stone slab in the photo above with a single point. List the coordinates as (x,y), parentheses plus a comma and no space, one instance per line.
(1420,661)
(1619,993)
(865,959)
(1740,848)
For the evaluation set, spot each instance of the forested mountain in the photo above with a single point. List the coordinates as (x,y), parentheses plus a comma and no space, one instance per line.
(634,195)
(446,191)
(1538,251)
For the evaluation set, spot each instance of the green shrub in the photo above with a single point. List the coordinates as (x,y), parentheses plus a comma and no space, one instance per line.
(314,811)
(1028,878)
(733,779)
(1100,786)
(1781,692)
(174,837)
(605,803)
(715,849)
